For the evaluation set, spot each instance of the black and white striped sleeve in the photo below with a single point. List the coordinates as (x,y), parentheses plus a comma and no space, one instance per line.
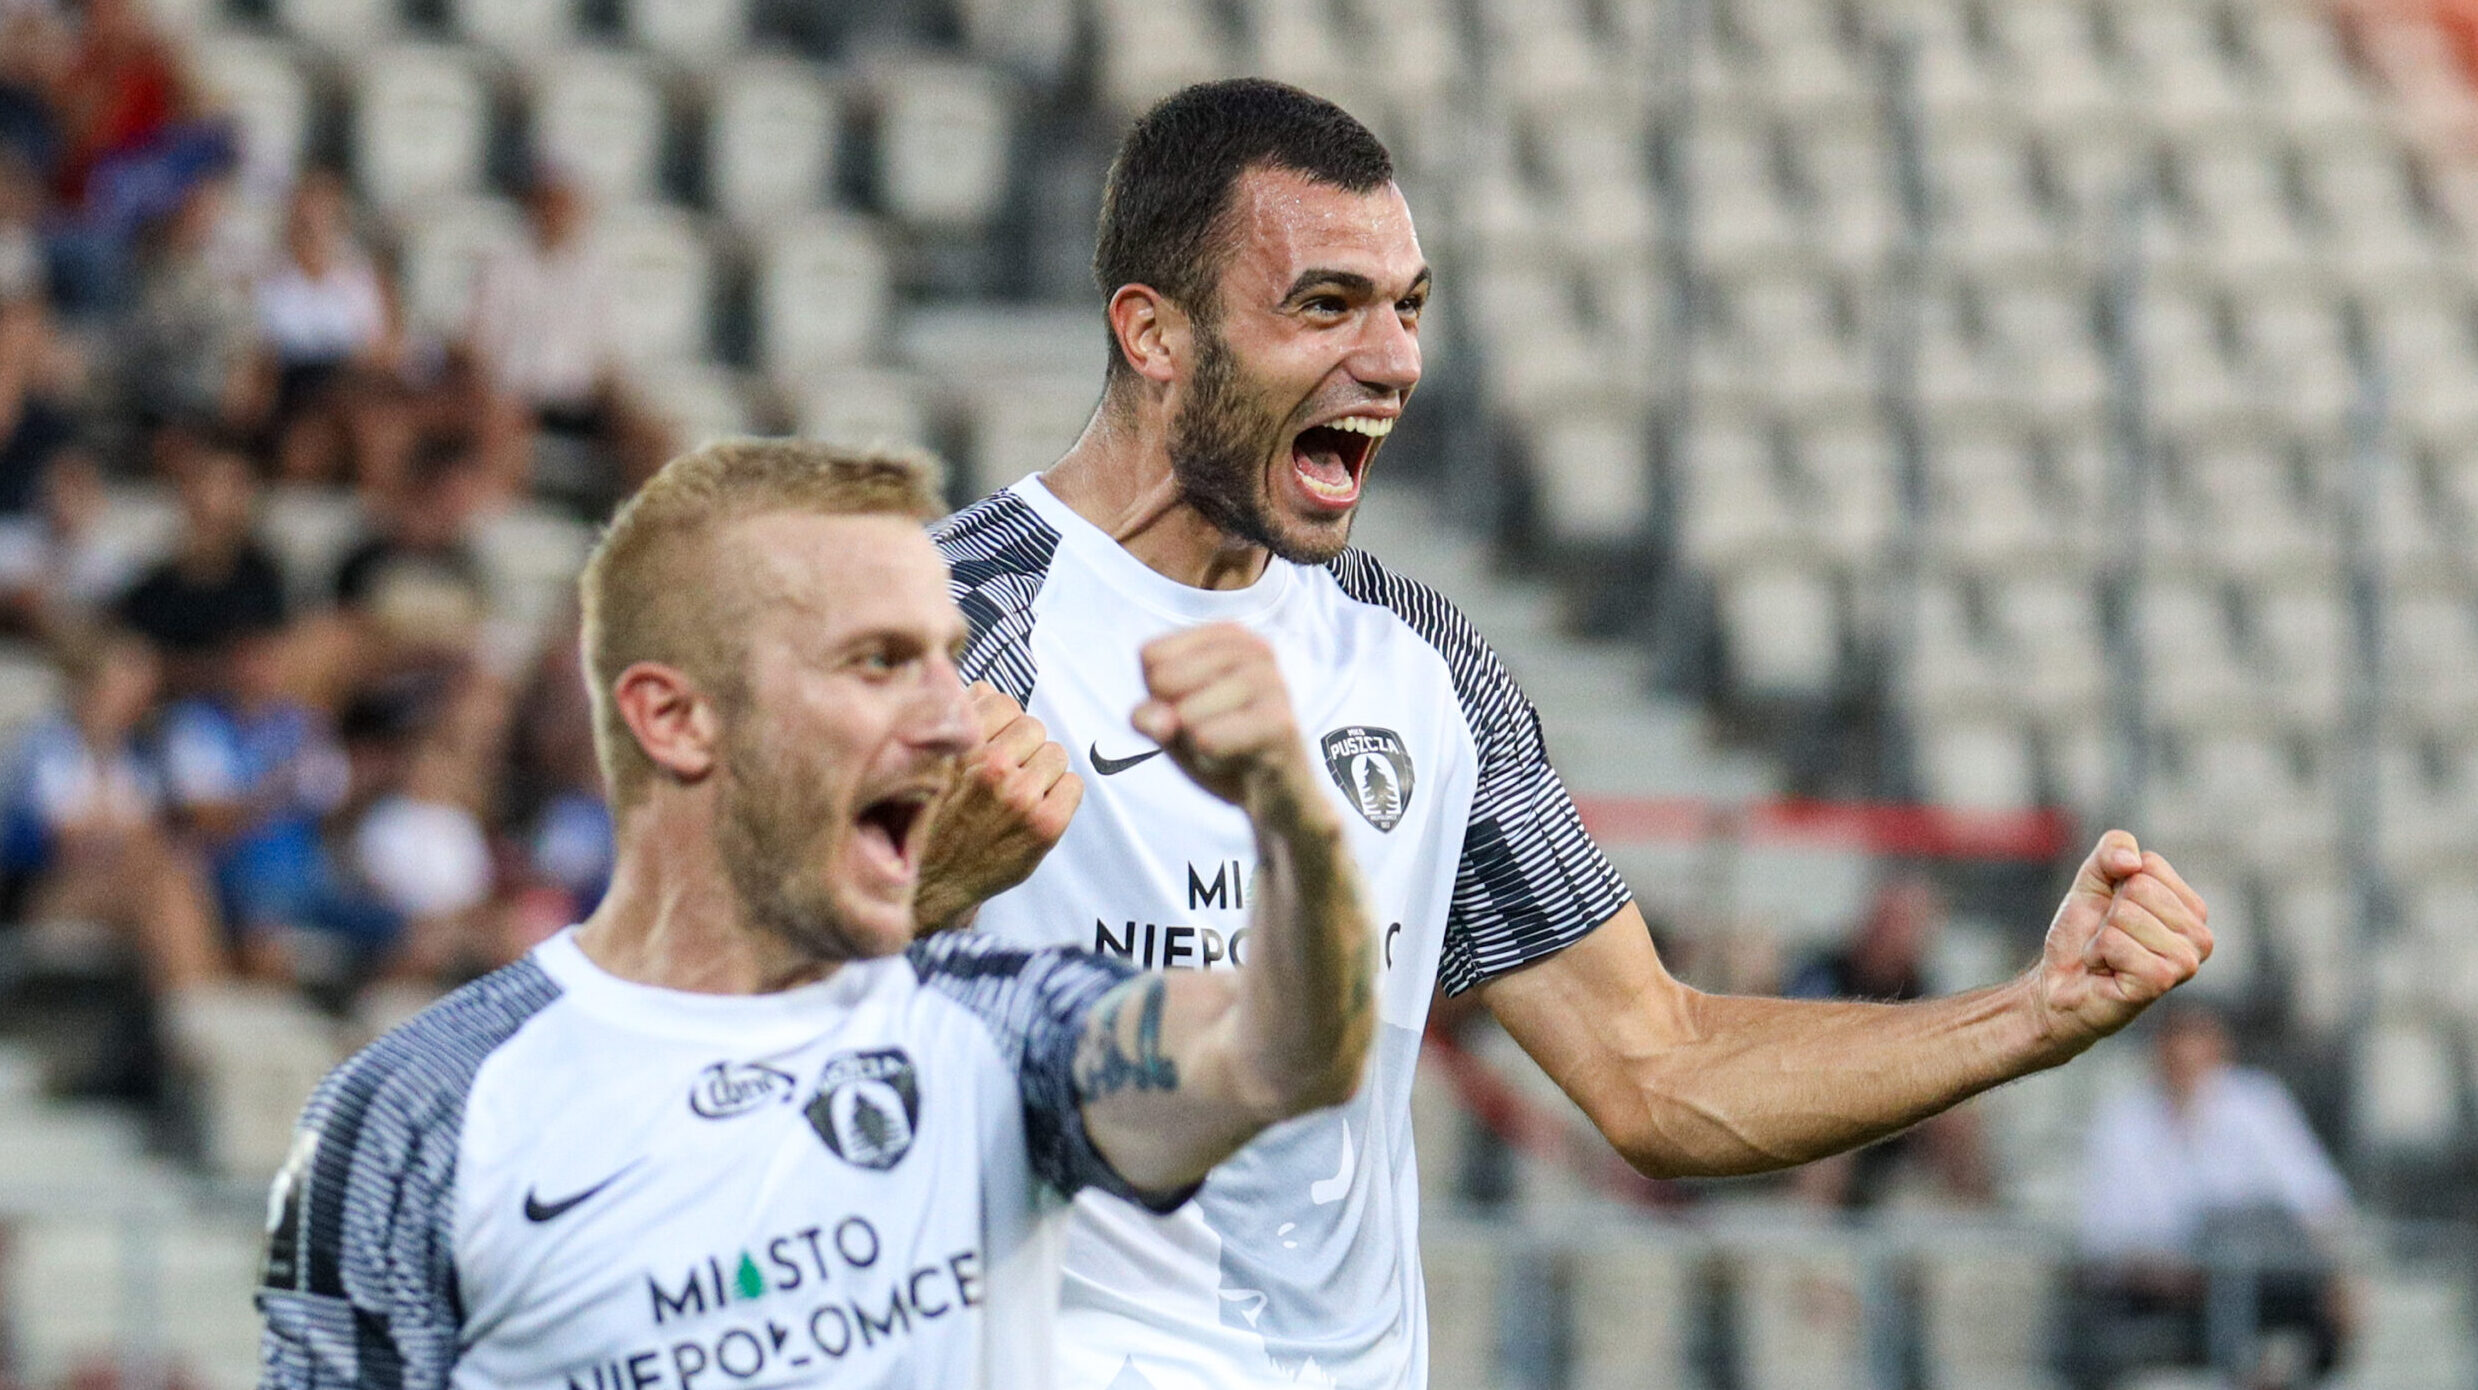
(1531,882)
(1035,1003)
(359,1288)
(998,552)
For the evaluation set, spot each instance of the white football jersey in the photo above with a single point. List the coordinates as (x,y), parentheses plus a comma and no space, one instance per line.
(1298,1263)
(561,1180)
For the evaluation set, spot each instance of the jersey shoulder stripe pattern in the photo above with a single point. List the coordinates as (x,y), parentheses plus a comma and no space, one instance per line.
(1531,881)
(359,1287)
(1034,1004)
(999,550)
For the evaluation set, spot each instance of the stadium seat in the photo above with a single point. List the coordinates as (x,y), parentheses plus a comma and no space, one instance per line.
(259,1053)
(700,403)
(1799,1316)
(421,125)
(942,143)
(2404,1085)
(1781,623)
(1151,48)
(597,116)
(2062,79)
(823,293)
(865,408)
(1022,424)
(1629,1303)
(1959,659)
(2191,674)
(310,529)
(696,33)
(187,19)
(1977,765)
(1985,1316)
(663,272)
(1461,1266)
(444,246)
(521,29)
(771,141)
(342,27)
(1591,470)
(263,89)
(1732,507)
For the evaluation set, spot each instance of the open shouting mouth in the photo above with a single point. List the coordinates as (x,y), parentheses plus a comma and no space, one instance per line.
(1330,460)
(891,829)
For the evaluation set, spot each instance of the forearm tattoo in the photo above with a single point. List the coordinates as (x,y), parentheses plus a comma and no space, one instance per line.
(1107,1064)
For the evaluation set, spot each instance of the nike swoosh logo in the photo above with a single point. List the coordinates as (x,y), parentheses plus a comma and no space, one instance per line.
(1112,767)
(537,1210)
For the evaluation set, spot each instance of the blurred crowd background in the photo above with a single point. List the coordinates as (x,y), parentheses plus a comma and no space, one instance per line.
(1889,438)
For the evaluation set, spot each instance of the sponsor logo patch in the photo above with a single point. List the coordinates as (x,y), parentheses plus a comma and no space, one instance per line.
(1373,768)
(725,1089)
(867,1106)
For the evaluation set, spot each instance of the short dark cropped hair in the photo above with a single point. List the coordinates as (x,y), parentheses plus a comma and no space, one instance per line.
(1166,210)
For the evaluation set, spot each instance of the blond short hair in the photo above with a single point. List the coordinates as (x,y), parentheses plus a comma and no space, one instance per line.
(652,590)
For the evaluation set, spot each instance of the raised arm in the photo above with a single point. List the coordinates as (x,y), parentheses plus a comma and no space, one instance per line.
(1178,1069)
(1692,1084)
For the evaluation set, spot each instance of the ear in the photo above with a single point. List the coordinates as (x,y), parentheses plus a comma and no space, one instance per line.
(673,721)
(1152,331)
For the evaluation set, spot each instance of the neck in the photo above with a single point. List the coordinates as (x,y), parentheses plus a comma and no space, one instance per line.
(672,920)
(1118,477)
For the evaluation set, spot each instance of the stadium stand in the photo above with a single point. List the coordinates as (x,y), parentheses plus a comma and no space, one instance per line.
(2049,411)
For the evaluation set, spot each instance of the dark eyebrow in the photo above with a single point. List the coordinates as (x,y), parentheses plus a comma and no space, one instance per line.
(1348,281)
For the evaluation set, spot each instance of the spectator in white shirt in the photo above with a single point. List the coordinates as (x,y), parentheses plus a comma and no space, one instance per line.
(541,336)
(2206,1146)
(328,327)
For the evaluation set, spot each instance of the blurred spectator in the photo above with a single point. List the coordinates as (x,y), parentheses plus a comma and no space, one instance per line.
(23,273)
(556,787)
(219,580)
(2209,1163)
(34,51)
(420,841)
(122,88)
(38,369)
(253,773)
(413,589)
(61,567)
(542,338)
(85,833)
(1886,958)
(328,324)
(192,338)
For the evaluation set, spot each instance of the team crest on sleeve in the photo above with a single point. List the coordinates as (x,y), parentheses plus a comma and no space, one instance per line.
(868,1104)
(1373,769)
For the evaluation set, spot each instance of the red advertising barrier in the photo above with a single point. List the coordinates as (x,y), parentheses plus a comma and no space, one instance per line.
(1888,828)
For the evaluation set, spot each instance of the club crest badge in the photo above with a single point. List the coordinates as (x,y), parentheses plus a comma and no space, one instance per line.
(867,1106)
(1374,771)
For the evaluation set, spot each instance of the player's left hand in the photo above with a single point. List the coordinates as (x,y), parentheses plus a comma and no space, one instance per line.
(1011,801)
(2128,932)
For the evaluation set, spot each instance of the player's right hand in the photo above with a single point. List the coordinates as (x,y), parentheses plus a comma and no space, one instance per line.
(1011,801)
(2128,932)
(1223,713)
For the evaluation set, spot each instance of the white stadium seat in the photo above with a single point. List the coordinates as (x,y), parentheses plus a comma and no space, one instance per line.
(1979,765)
(517,28)
(696,32)
(701,404)
(445,246)
(823,292)
(263,89)
(1151,48)
(342,26)
(942,147)
(421,124)
(1022,424)
(1592,468)
(863,409)
(663,274)
(1782,624)
(597,116)
(771,141)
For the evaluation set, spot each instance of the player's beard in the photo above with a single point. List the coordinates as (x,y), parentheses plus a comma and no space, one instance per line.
(772,808)
(1220,442)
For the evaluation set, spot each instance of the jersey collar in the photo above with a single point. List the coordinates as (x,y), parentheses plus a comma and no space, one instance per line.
(1131,578)
(739,1019)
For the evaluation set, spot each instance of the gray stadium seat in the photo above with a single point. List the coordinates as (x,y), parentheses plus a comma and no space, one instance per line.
(942,146)
(700,403)
(445,244)
(697,33)
(1151,48)
(772,135)
(663,271)
(598,116)
(517,28)
(421,122)
(866,408)
(262,87)
(824,290)
(342,27)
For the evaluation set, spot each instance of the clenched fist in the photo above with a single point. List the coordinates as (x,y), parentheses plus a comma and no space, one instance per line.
(1221,711)
(2128,932)
(1011,802)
